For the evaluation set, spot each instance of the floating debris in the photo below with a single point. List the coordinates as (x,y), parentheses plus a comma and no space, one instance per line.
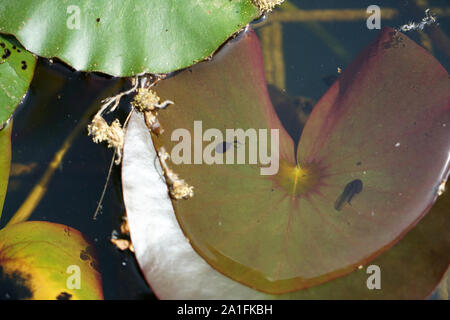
(123,244)
(179,189)
(427,20)
(441,188)
(267,5)
(112,134)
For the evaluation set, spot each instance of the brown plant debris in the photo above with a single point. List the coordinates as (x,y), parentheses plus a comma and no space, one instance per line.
(147,101)
(178,188)
(112,134)
(267,5)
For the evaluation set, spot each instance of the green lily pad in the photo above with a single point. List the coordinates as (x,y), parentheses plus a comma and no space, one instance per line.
(124,38)
(16,72)
(367,169)
(46,261)
(5,161)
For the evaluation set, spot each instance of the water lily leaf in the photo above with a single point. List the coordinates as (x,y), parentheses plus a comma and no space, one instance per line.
(356,190)
(5,161)
(16,71)
(175,271)
(124,38)
(370,160)
(43,260)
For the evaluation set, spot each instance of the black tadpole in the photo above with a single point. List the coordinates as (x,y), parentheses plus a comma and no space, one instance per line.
(351,189)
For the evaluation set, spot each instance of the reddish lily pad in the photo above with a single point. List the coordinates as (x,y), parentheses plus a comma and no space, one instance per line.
(409,270)
(368,165)
(47,261)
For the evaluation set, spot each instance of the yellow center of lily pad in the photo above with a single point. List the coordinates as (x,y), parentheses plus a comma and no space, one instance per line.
(298,180)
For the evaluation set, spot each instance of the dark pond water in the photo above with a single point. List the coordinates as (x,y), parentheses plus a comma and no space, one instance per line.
(60,97)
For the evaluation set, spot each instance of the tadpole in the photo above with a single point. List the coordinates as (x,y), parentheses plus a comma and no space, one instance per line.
(351,189)
(224,146)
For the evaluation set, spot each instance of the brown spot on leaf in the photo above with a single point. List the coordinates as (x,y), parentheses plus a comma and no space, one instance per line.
(87,254)
(67,231)
(64,296)
(84,255)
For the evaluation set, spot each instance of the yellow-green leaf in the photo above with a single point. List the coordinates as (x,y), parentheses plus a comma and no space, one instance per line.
(45,261)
